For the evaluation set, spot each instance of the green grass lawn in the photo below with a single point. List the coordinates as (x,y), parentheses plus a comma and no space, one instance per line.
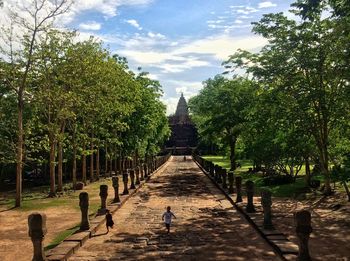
(62,236)
(36,199)
(286,190)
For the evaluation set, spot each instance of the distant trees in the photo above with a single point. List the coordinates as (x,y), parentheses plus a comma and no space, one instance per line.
(221,109)
(301,107)
(72,100)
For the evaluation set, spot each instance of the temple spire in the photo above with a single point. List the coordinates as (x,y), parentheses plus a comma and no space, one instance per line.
(182,108)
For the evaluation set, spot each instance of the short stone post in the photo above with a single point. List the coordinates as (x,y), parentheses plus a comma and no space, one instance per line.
(250,196)
(219,177)
(84,208)
(103,196)
(266,203)
(238,180)
(137,172)
(115,182)
(125,182)
(132,179)
(142,170)
(216,172)
(302,221)
(224,178)
(37,232)
(230,182)
(211,169)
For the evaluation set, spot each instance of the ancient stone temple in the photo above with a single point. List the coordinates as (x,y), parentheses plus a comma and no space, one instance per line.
(183,132)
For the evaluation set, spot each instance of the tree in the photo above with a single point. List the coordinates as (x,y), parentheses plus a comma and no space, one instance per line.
(53,98)
(27,22)
(302,61)
(221,109)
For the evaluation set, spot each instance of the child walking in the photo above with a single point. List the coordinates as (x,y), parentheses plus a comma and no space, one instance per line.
(167,218)
(109,220)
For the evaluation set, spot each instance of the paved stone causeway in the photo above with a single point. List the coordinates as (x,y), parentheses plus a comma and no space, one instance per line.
(207,225)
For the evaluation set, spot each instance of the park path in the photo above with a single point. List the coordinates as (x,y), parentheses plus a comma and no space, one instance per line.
(207,226)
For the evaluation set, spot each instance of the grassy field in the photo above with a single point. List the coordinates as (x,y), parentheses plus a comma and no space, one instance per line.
(286,190)
(36,199)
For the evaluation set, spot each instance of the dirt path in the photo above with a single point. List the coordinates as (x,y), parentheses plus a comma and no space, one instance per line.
(207,226)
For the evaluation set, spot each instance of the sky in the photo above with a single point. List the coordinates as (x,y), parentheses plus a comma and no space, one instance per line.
(181,43)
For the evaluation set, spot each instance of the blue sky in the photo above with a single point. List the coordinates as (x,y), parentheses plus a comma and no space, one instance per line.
(179,42)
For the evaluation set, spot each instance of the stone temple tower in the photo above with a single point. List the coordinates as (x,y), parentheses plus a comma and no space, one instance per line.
(182,108)
(183,131)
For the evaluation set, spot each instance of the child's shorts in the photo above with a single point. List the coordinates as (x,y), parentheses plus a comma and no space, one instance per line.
(167,226)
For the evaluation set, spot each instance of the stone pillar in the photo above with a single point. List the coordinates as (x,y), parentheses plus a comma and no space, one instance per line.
(249,185)
(224,178)
(302,221)
(142,171)
(266,203)
(219,176)
(125,182)
(216,173)
(211,169)
(137,172)
(238,180)
(84,208)
(103,196)
(230,182)
(115,182)
(37,232)
(132,178)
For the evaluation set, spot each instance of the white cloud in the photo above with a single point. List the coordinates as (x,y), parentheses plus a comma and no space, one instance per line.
(90,26)
(236,6)
(188,63)
(266,4)
(244,17)
(170,103)
(237,21)
(221,46)
(108,8)
(134,23)
(156,35)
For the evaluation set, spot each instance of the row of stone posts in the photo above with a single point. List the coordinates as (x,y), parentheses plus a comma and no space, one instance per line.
(37,221)
(302,218)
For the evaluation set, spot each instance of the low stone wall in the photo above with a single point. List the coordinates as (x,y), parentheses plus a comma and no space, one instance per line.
(260,215)
(88,227)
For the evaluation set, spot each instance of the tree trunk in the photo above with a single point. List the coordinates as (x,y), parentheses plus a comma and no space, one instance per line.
(106,159)
(19,166)
(324,160)
(233,140)
(52,167)
(98,163)
(60,167)
(92,162)
(74,171)
(120,164)
(346,189)
(307,171)
(83,166)
(110,167)
(115,164)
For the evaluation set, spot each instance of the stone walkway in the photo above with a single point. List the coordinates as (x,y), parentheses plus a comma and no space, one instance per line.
(207,226)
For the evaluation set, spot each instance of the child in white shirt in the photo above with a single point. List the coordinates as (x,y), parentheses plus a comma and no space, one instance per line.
(167,218)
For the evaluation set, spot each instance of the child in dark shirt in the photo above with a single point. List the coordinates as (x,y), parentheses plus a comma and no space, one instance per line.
(109,220)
